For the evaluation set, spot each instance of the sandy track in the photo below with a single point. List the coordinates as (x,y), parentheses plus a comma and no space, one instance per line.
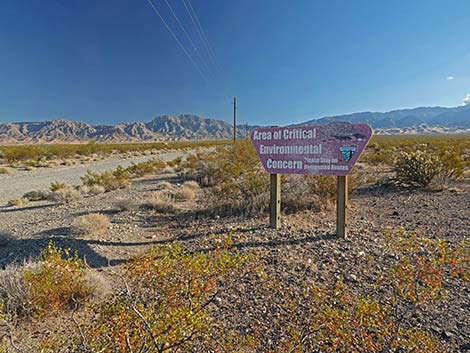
(17,184)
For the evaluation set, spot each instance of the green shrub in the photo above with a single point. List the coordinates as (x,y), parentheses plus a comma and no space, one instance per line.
(417,168)
(58,282)
(36,195)
(110,180)
(56,185)
(167,303)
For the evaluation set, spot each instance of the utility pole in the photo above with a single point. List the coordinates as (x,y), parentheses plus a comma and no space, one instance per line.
(246,131)
(234,119)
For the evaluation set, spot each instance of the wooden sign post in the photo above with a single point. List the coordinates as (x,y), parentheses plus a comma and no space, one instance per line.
(342,207)
(275,202)
(331,149)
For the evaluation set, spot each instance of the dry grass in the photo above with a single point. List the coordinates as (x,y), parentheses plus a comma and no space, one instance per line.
(64,195)
(191,184)
(100,287)
(18,202)
(14,291)
(5,238)
(184,193)
(96,190)
(93,223)
(6,170)
(124,204)
(162,202)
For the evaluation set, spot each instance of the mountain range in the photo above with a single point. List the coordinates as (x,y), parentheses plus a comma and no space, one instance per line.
(187,126)
(162,128)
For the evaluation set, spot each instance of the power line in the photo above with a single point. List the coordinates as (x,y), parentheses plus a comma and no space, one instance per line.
(197,25)
(187,36)
(177,40)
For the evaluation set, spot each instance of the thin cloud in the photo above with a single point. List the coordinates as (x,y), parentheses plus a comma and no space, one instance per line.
(466,100)
(450,78)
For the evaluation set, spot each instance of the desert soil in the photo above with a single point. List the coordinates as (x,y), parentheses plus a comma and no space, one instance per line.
(303,251)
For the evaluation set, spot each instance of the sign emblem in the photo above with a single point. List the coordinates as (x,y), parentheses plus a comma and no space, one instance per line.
(347,152)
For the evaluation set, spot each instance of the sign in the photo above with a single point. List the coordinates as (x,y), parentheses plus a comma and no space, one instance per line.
(331,149)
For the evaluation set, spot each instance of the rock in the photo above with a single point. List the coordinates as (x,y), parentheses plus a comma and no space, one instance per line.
(350,277)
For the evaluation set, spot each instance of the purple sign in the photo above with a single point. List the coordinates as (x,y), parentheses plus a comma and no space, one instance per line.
(331,149)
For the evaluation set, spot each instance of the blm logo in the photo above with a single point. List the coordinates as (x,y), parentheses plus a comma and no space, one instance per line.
(347,152)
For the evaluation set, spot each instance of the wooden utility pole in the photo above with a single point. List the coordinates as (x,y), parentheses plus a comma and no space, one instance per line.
(234,119)
(275,202)
(246,131)
(342,207)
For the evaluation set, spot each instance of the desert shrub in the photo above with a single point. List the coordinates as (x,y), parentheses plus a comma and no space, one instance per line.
(110,180)
(56,185)
(124,204)
(6,170)
(424,264)
(5,238)
(300,192)
(184,193)
(143,168)
(417,168)
(64,195)
(167,303)
(162,202)
(18,202)
(36,195)
(14,291)
(58,282)
(238,183)
(93,223)
(36,152)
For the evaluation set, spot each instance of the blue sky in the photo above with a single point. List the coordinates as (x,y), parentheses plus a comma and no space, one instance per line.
(286,61)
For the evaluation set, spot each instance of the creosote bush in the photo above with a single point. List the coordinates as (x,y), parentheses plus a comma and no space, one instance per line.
(236,183)
(93,223)
(109,180)
(421,167)
(56,185)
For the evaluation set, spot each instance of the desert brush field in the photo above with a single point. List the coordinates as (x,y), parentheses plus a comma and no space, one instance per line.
(168,249)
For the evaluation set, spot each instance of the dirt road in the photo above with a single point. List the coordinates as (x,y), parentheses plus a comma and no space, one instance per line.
(17,184)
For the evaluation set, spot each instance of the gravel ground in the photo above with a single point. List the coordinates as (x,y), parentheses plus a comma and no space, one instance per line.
(304,251)
(21,181)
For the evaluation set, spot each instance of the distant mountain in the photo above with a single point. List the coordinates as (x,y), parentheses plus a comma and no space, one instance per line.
(423,119)
(188,127)
(162,128)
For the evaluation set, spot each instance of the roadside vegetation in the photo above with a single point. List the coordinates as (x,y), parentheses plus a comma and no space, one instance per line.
(171,302)
(40,155)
